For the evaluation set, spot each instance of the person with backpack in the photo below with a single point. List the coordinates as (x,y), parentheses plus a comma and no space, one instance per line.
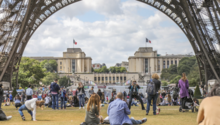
(152,90)
(54,88)
(134,94)
(1,96)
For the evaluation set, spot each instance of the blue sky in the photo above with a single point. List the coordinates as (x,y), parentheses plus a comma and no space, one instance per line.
(109,31)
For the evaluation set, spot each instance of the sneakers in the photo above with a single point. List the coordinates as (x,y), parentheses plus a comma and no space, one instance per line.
(146,113)
(143,108)
(132,117)
(79,107)
(83,107)
(23,118)
(9,117)
(143,120)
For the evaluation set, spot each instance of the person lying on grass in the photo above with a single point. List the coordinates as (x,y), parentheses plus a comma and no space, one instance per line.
(30,105)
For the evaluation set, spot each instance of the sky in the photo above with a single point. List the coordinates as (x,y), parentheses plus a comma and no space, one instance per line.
(108,31)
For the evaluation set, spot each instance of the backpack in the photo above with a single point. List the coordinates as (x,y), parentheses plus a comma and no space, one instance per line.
(151,88)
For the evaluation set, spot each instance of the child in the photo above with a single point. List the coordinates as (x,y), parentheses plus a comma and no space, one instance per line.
(29,106)
(169,100)
(47,100)
(107,98)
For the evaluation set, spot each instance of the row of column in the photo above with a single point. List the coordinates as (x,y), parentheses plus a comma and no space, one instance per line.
(166,65)
(108,81)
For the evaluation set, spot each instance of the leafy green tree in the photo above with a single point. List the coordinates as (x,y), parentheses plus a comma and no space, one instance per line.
(49,78)
(104,69)
(193,82)
(117,69)
(197,92)
(183,69)
(172,69)
(112,69)
(176,79)
(14,92)
(50,65)
(164,83)
(30,72)
(64,81)
(123,69)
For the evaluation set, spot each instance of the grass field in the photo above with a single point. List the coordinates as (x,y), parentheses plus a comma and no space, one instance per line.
(73,116)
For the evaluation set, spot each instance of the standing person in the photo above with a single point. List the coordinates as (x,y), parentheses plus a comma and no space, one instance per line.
(91,91)
(118,112)
(100,94)
(103,97)
(81,95)
(184,86)
(54,88)
(62,98)
(93,110)
(23,97)
(134,94)
(7,97)
(1,96)
(30,105)
(125,95)
(11,98)
(29,93)
(156,83)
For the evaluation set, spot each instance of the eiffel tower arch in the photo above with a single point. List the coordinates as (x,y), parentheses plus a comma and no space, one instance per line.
(198,19)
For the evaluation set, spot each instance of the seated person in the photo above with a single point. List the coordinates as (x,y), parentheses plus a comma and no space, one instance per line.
(196,101)
(134,102)
(118,112)
(208,110)
(47,100)
(29,106)
(75,101)
(17,101)
(93,110)
(7,104)
(3,116)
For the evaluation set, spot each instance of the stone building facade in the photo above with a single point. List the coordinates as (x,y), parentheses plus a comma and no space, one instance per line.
(148,61)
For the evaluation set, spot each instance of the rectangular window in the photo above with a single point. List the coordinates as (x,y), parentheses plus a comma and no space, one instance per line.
(95,78)
(60,67)
(73,65)
(93,65)
(60,63)
(113,78)
(175,62)
(117,79)
(158,68)
(172,62)
(109,78)
(168,64)
(97,65)
(121,78)
(102,78)
(125,78)
(164,64)
(106,78)
(98,78)
(146,65)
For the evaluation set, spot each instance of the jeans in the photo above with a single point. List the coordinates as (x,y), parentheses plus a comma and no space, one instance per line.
(137,97)
(136,121)
(150,97)
(55,101)
(1,103)
(63,104)
(182,102)
(133,103)
(23,107)
(81,100)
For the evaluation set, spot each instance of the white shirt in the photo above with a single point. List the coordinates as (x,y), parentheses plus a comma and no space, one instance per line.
(29,92)
(31,105)
(47,100)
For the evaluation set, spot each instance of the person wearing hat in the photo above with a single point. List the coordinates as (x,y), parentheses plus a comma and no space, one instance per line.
(91,91)
(1,96)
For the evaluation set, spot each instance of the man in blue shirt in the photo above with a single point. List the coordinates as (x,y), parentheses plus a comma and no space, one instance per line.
(29,93)
(118,112)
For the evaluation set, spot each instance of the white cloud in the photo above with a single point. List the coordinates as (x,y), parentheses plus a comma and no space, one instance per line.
(110,41)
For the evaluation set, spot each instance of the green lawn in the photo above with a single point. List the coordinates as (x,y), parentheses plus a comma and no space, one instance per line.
(73,116)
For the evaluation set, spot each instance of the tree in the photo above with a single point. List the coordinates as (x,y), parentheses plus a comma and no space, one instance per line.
(64,81)
(197,92)
(14,93)
(30,72)
(172,69)
(123,69)
(183,69)
(176,79)
(49,65)
(117,69)
(192,82)
(104,69)
(49,78)
(164,83)
(112,69)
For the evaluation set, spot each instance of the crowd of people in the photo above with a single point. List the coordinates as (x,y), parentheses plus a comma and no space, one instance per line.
(119,104)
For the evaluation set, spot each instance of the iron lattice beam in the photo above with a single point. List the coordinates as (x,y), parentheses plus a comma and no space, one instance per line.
(198,19)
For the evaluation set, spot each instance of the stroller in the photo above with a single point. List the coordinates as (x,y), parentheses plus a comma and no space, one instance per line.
(190,104)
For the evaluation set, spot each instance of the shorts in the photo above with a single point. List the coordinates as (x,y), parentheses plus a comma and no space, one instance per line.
(11,100)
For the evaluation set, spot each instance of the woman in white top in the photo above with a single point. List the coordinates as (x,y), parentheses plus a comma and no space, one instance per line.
(30,106)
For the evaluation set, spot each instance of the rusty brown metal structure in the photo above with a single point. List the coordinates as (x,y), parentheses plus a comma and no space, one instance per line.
(198,19)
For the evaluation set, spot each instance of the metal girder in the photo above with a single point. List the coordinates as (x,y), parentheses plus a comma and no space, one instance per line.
(22,18)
